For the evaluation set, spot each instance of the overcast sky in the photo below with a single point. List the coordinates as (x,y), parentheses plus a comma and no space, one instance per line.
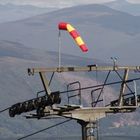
(58,3)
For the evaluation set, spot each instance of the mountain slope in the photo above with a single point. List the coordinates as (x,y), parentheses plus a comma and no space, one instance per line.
(123,5)
(16,86)
(106,32)
(11,12)
(104,36)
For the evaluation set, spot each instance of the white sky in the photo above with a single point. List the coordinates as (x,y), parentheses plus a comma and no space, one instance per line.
(58,3)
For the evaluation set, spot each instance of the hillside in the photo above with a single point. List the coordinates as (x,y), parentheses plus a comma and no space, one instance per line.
(34,43)
(11,12)
(106,32)
(125,6)
(17,86)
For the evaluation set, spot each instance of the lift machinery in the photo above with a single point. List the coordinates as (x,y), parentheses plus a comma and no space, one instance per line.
(49,105)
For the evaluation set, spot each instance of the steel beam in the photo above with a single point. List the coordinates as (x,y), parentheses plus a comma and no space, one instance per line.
(123,87)
(88,113)
(45,83)
(32,71)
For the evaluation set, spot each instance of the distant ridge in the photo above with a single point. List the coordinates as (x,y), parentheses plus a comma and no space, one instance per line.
(106,32)
(34,43)
(11,12)
(125,6)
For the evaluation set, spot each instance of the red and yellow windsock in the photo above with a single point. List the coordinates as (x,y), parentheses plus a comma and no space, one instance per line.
(72,31)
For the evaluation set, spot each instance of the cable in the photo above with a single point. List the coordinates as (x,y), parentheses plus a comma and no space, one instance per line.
(44,129)
(4,109)
(111,83)
(84,88)
(21,103)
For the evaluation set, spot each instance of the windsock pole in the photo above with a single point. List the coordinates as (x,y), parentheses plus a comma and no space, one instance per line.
(59,49)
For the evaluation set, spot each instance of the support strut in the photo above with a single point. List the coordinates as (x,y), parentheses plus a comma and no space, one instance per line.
(45,83)
(123,87)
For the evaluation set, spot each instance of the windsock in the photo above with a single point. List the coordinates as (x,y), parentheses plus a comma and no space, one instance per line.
(72,31)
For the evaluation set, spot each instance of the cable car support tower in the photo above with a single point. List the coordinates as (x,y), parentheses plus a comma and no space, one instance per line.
(50,104)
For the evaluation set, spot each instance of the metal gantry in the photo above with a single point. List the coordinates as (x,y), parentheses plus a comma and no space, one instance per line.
(87,117)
